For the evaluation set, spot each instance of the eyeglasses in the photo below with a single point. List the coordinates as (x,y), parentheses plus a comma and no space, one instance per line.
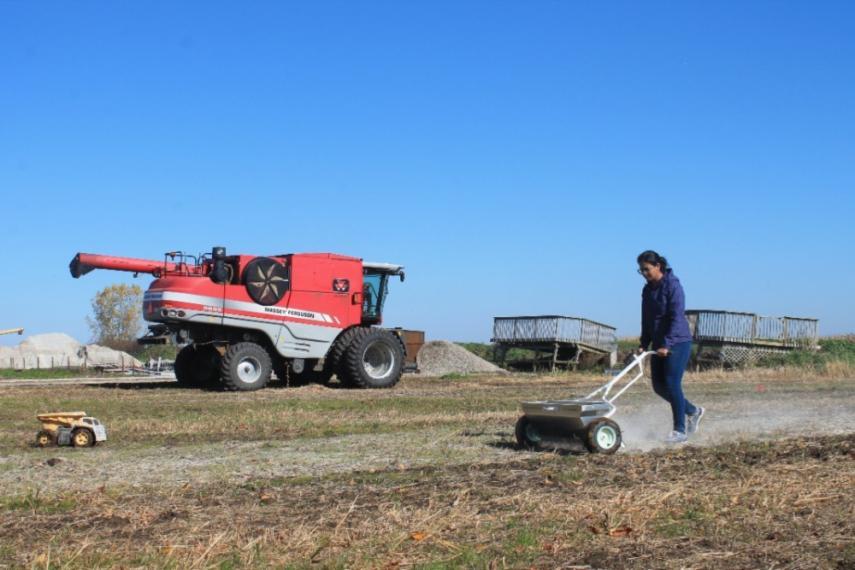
(643,271)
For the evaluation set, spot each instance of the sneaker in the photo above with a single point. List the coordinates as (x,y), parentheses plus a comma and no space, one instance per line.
(676,437)
(694,420)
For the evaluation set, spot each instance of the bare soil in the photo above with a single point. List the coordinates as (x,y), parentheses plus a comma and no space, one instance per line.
(427,475)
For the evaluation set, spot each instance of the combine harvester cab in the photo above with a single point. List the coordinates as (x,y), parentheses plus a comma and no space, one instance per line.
(304,316)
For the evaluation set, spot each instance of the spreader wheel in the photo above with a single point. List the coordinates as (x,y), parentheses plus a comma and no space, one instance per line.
(603,436)
(44,438)
(527,434)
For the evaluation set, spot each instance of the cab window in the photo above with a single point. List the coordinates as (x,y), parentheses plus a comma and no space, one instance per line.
(373,294)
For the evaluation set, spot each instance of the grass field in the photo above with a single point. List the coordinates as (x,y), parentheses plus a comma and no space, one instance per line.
(426,475)
(39,374)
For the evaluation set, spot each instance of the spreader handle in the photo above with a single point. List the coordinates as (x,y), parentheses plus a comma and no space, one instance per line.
(637,360)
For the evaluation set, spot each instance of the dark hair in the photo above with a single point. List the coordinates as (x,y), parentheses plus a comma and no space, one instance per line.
(653,258)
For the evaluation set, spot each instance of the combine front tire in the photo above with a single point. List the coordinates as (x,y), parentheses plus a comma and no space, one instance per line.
(82,437)
(334,361)
(245,367)
(374,359)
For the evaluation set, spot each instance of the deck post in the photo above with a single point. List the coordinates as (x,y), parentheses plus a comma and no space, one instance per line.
(575,362)
(500,352)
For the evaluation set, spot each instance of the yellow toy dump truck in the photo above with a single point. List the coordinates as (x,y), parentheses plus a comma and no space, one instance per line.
(69,428)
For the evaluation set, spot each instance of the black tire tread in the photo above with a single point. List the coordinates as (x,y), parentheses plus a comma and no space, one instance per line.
(333,360)
(50,436)
(591,443)
(235,352)
(352,370)
(183,366)
(519,433)
(188,368)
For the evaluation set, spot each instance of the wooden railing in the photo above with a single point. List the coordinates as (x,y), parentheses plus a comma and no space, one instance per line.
(554,328)
(749,328)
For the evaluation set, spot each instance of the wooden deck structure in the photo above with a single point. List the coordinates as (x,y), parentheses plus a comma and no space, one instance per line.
(556,340)
(731,337)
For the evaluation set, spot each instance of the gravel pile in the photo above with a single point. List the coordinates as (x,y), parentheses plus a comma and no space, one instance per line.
(440,357)
(58,350)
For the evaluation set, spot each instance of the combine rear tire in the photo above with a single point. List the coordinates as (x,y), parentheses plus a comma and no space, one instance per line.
(197,366)
(245,367)
(526,434)
(374,359)
(82,437)
(603,436)
(44,438)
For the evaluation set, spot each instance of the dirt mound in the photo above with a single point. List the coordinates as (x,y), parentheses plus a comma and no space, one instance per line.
(440,357)
(59,343)
(58,350)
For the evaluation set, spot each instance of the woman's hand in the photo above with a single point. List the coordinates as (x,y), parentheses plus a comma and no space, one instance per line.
(663,352)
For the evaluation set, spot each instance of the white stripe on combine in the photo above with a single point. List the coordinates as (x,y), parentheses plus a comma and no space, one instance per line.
(218,302)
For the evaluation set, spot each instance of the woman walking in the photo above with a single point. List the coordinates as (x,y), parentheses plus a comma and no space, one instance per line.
(664,325)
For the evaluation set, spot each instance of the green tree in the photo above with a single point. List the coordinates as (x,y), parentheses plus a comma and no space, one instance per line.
(116,312)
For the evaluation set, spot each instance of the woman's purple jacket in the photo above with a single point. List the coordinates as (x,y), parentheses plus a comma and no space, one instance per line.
(663,313)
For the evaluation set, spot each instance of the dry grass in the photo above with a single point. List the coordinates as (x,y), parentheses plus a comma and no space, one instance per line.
(163,414)
(475,504)
(785,505)
(831,370)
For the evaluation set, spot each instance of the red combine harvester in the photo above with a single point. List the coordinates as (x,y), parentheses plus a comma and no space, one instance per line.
(304,316)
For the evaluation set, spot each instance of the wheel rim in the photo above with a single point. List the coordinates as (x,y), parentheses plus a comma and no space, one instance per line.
(81,438)
(532,434)
(606,437)
(43,440)
(378,360)
(249,370)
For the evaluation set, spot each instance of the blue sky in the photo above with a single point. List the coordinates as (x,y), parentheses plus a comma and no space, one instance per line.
(515,156)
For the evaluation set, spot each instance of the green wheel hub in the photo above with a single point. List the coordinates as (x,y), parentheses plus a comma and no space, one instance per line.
(606,437)
(532,434)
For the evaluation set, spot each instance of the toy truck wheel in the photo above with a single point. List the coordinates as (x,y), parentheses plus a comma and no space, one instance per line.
(197,366)
(603,436)
(373,359)
(82,437)
(245,367)
(44,438)
(526,434)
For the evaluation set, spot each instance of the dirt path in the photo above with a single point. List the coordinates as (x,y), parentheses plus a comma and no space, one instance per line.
(472,438)
(90,381)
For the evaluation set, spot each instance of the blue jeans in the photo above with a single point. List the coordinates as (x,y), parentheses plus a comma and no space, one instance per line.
(667,376)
